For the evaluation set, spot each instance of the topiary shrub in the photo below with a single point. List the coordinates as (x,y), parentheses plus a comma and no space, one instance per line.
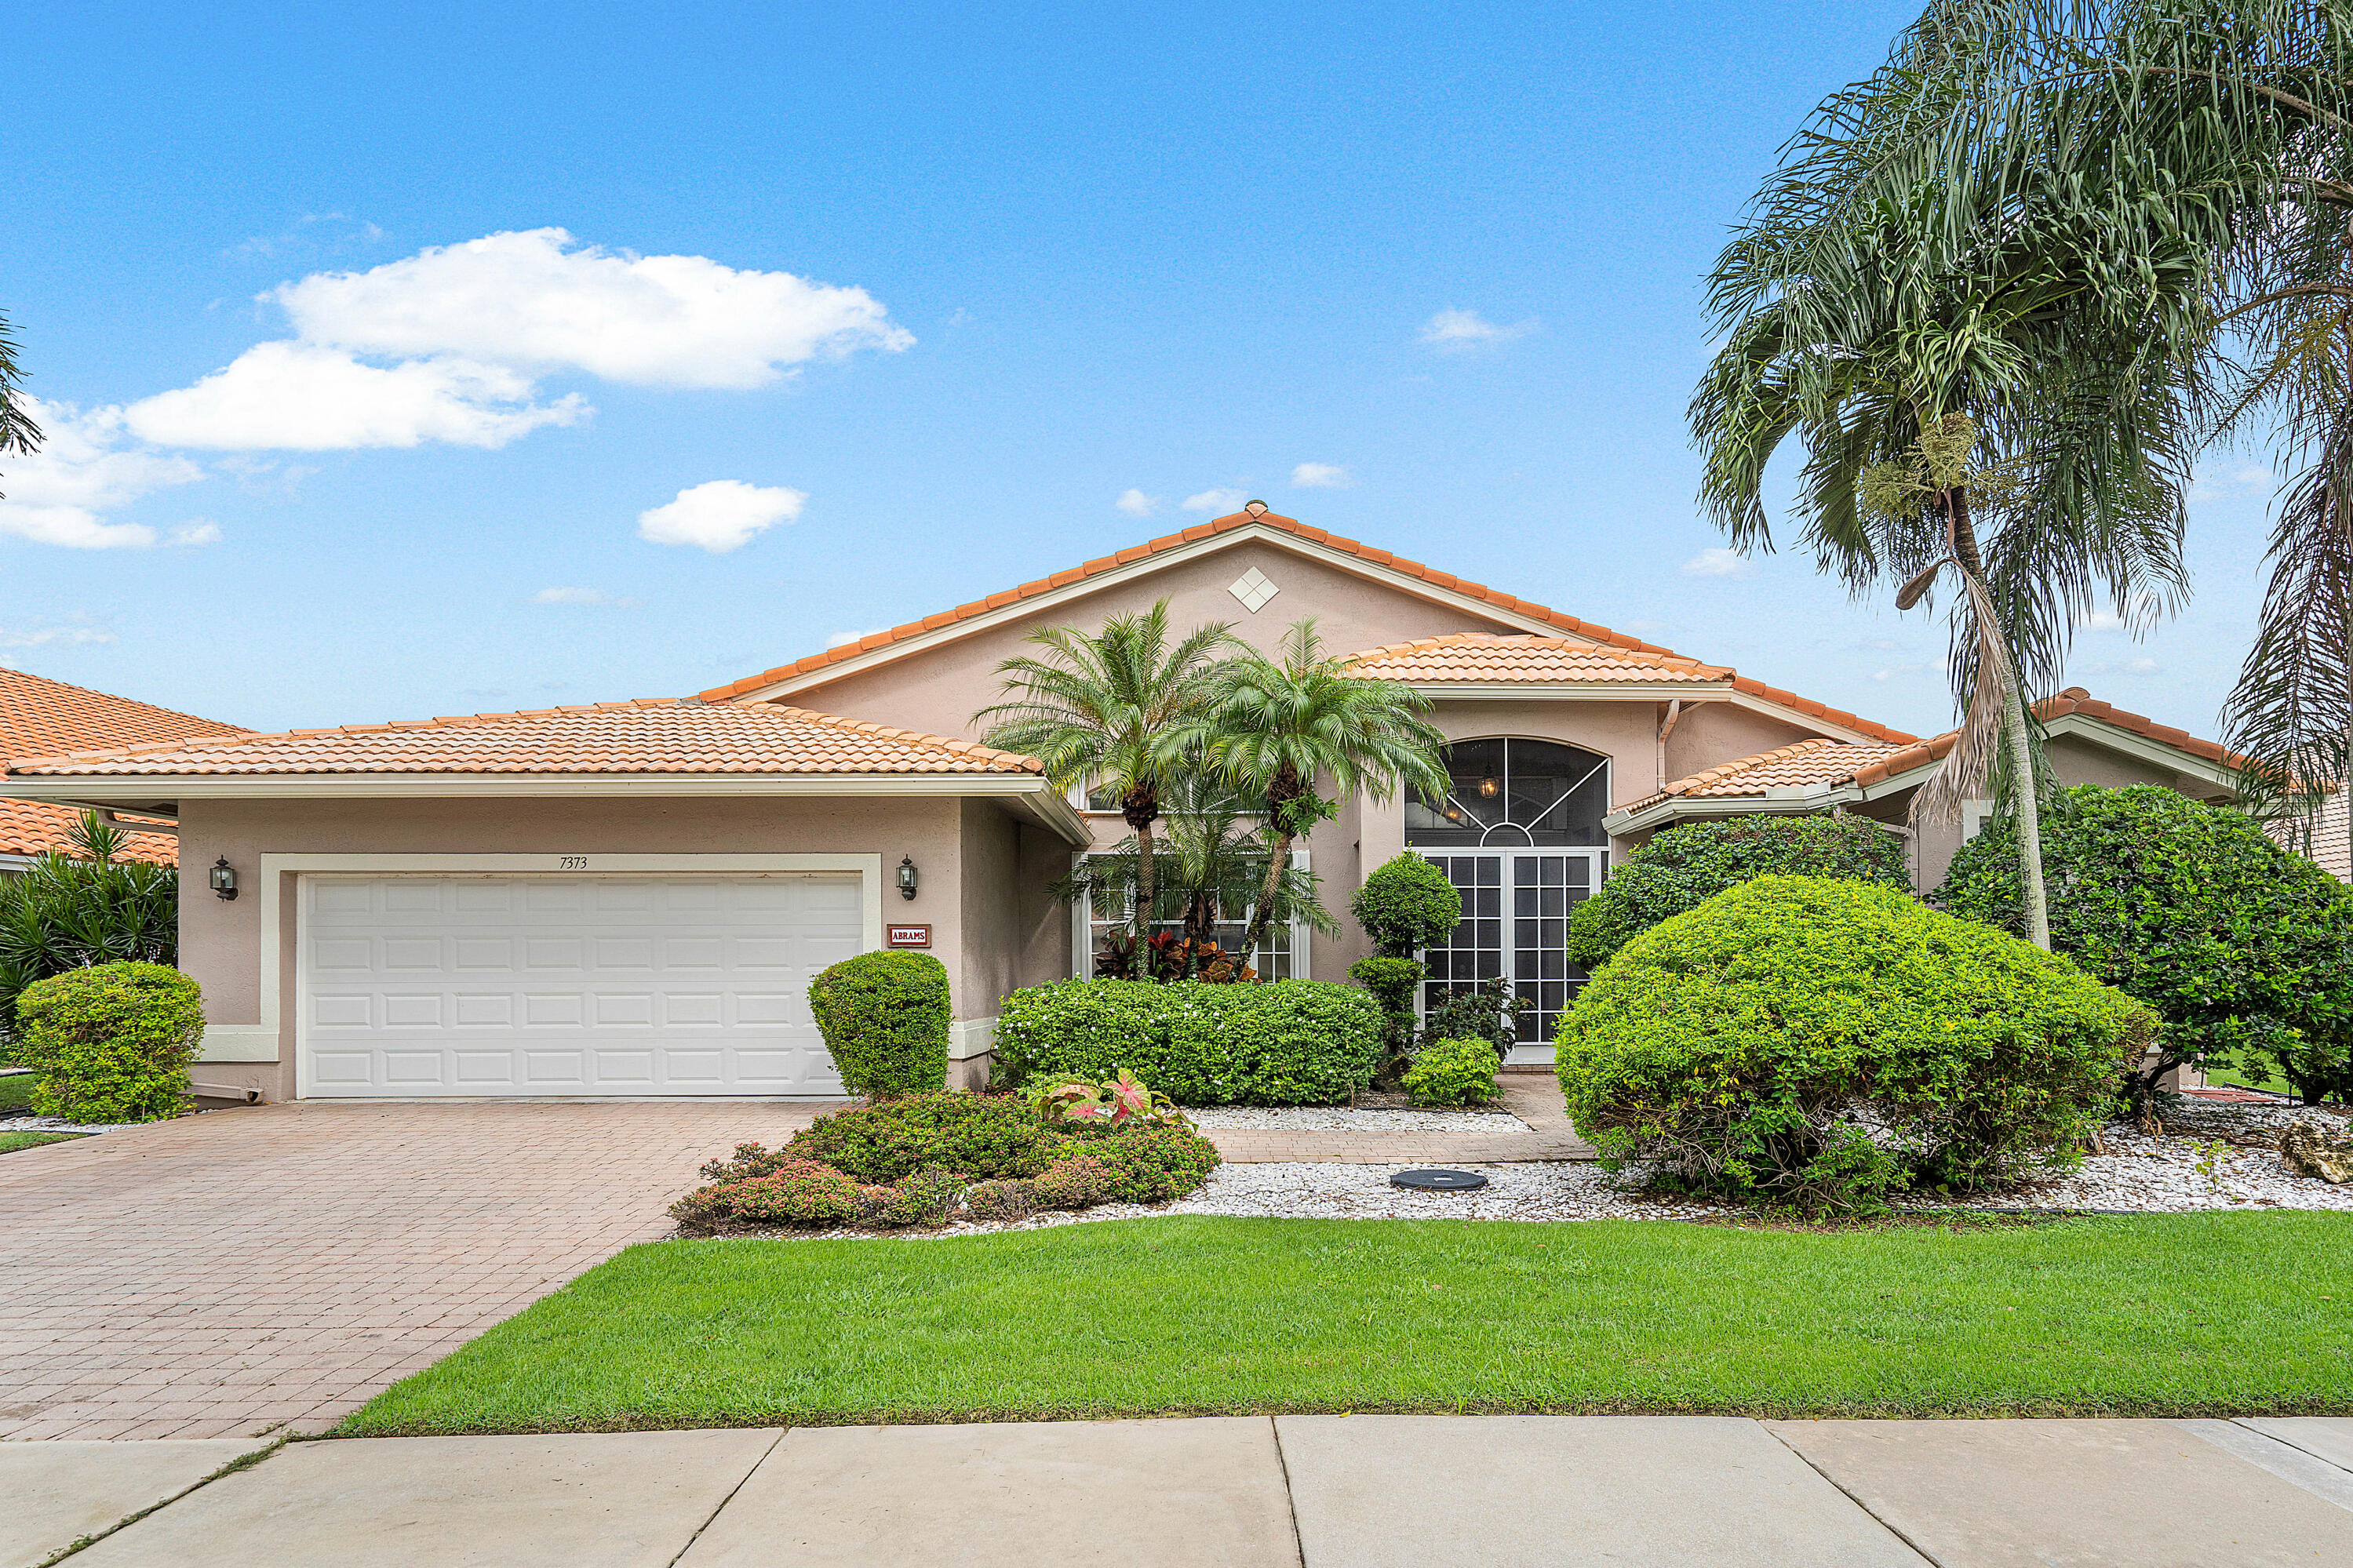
(1295,1042)
(1407,904)
(978,1136)
(2245,949)
(1392,981)
(884,1016)
(1682,867)
(111,1042)
(1455,1072)
(1822,1044)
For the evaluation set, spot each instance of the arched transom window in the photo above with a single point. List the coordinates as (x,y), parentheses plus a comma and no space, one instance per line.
(1514,794)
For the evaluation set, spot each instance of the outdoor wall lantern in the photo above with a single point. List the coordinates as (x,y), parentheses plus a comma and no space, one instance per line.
(224,878)
(906,876)
(1489,786)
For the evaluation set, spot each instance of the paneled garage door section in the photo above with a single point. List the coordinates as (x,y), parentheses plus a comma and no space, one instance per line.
(418,986)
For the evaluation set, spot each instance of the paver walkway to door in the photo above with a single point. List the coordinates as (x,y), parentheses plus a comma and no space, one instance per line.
(219,1274)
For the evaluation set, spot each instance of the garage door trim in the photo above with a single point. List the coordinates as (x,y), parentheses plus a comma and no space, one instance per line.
(275,938)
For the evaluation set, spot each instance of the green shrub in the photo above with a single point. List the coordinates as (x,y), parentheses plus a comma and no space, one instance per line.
(1406,905)
(1007,1200)
(978,1136)
(884,1016)
(65,912)
(2245,949)
(112,1043)
(1682,867)
(1488,1011)
(1295,1042)
(1076,1183)
(787,1191)
(1392,981)
(1150,1164)
(1455,1072)
(1821,1044)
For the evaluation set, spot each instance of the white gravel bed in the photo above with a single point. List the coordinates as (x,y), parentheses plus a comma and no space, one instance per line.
(1348,1119)
(2190,1169)
(56,1124)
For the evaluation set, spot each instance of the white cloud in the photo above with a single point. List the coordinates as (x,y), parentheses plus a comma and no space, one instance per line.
(70,636)
(2121,617)
(313,399)
(720,515)
(56,495)
(196,533)
(1321,477)
(1215,502)
(1452,329)
(2142,666)
(843,640)
(1135,503)
(582,596)
(1716,561)
(542,299)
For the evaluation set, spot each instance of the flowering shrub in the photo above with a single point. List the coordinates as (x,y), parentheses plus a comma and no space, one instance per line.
(978,1136)
(1453,1072)
(1295,1042)
(1076,1183)
(793,1192)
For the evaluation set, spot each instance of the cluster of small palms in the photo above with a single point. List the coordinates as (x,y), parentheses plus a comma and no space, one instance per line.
(67,911)
(2090,238)
(1233,749)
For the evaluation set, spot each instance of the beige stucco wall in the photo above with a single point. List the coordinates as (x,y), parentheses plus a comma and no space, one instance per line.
(220,942)
(1709,734)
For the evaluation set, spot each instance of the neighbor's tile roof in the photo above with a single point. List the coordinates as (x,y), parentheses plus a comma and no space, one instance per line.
(657,735)
(2074,700)
(40,717)
(35,827)
(1290,525)
(1498,658)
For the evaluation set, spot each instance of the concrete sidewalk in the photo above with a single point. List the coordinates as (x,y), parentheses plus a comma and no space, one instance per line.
(1294,1492)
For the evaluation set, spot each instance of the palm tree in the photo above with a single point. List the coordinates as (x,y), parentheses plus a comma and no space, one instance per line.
(17,431)
(1114,712)
(1281,725)
(1975,385)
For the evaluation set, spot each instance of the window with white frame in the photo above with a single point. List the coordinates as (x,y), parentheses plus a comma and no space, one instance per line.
(1281,955)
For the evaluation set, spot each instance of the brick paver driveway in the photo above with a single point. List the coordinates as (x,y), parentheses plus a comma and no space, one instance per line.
(221,1274)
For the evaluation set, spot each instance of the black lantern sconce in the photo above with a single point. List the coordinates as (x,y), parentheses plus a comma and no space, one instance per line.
(223,878)
(906,876)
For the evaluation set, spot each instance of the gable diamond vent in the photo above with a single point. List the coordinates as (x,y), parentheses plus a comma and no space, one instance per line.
(1253,590)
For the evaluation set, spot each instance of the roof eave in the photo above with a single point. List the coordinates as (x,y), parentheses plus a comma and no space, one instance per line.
(1574,691)
(151,790)
(1682,808)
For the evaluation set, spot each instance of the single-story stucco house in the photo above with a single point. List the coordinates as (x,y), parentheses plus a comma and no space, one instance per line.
(630,900)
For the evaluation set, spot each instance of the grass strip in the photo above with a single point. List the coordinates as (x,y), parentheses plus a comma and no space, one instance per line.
(12,1141)
(2168,1315)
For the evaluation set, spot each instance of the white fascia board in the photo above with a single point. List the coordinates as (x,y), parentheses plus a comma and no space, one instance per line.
(1031,609)
(1678,808)
(1615,692)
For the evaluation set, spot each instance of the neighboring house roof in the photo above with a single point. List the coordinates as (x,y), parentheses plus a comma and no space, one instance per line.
(1494,658)
(39,716)
(656,735)
(2331,846)
(1291,530)
(1811,773)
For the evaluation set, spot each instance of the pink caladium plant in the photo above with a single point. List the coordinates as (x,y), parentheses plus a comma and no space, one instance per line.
(1115,1101)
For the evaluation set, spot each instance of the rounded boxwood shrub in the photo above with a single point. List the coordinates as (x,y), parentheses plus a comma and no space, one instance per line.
(1455,1072)
(1818,1043)
(111,1042)
(884,1016)
(2244,948)
(1682,867)
(1294,1042)
(1407,904)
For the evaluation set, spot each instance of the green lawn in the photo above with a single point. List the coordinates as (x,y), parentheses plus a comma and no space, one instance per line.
(16,1093)
(2167,1315)
(12,1141)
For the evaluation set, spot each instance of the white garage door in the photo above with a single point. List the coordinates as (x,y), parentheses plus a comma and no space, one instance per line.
(666,986)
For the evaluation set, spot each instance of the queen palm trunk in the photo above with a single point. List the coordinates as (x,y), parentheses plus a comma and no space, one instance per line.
(2016,742)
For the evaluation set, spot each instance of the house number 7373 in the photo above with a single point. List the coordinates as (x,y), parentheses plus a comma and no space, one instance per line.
(572,862)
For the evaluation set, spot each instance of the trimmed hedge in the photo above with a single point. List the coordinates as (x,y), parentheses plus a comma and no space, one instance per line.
(2244,948)
(1682,867)
(111,1042)
(1822,1044)
(1294,1042)
(1455,1072)
(884,1016)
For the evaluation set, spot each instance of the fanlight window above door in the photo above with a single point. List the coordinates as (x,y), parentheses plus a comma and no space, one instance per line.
(1507,794)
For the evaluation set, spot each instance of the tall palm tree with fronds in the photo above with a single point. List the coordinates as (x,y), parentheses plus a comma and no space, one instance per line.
(1280,726)
(1975,386)
(17,431)
(1116,713)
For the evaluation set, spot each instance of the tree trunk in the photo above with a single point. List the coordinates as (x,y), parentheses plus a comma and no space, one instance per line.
(2016,741)
(1269,885)
(1145,886)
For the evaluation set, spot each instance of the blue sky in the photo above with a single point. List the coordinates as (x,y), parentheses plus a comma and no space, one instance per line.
(876,310)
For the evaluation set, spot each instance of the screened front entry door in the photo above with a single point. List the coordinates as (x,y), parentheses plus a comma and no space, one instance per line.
(1515,925)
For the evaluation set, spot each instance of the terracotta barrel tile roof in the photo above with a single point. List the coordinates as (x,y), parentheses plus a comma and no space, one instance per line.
(1792,766)
(35,827)
(44,718)
(1290,525)
(662,735)
(1486,657)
